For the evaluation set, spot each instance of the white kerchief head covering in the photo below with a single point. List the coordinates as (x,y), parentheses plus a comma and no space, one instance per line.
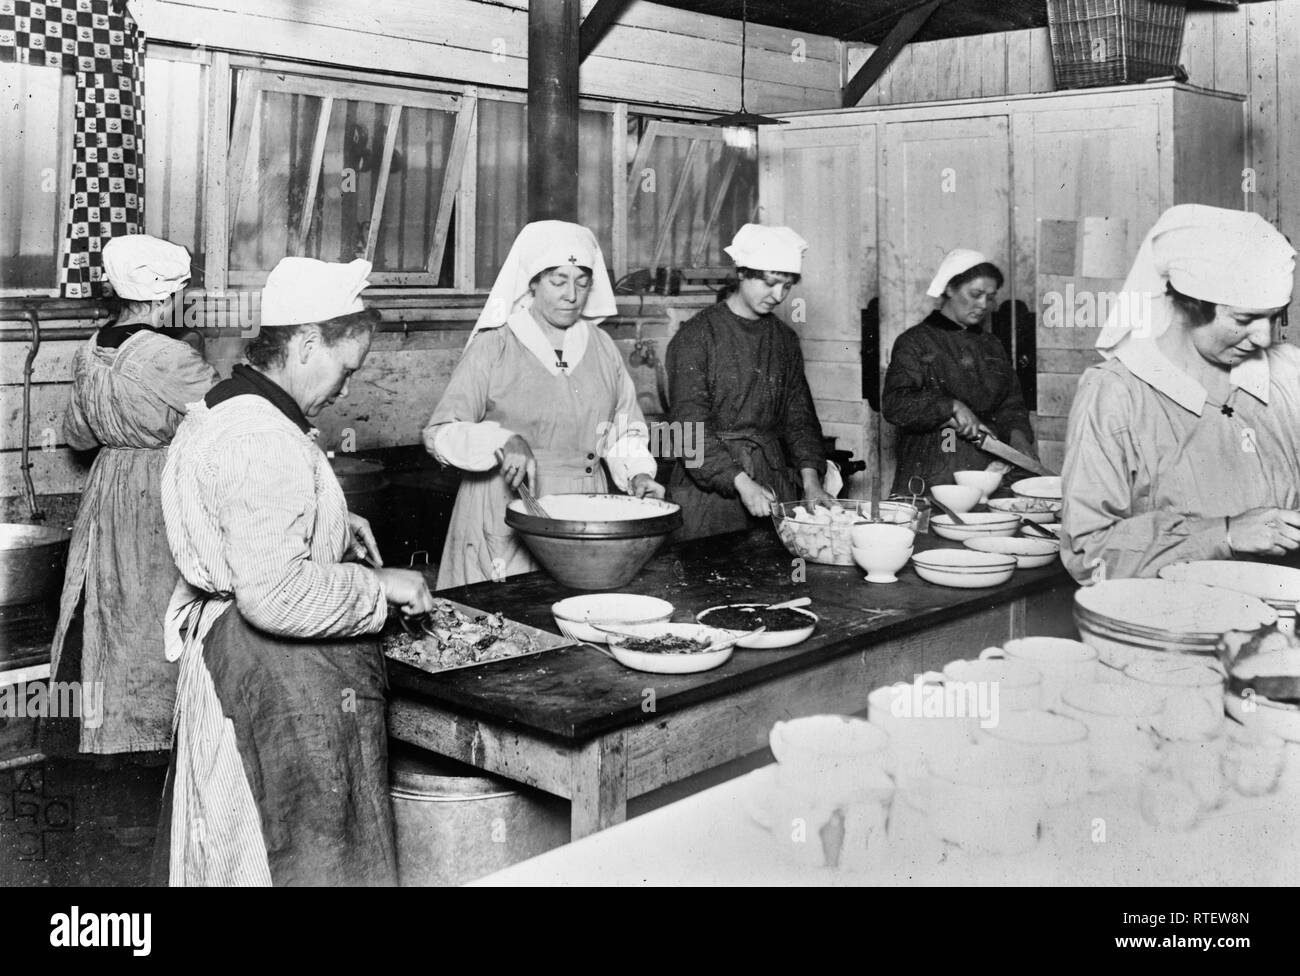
(1229,257)
(145,269)
(548,244)
(953,264)
(762,248)
(303,290)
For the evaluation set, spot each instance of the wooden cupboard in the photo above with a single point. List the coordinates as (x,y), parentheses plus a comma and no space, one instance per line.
(1058,189)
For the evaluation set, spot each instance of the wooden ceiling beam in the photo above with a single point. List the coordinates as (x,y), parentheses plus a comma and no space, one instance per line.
(597,23)
(881,57)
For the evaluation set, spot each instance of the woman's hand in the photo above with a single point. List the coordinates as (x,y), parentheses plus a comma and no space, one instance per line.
(364,546)
(407,589)
(814,491)
(517,462)
(644,486)
(1266,531)
(756,498)
(964,421)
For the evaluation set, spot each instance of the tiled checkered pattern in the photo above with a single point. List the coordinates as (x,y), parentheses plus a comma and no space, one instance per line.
(99,42)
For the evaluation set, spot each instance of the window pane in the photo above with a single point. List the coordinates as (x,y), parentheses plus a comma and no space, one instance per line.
(30,181)
(176,101)
(713,175)
(502,184)
(277,182)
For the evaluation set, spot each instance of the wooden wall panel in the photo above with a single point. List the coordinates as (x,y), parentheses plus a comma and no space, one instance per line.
(654,54)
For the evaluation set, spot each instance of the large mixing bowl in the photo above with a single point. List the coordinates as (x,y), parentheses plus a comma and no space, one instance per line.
(594,542)
(31,562)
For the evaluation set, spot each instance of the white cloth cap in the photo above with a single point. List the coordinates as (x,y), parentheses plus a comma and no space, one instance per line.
(302,290)
(763,248)
(145,269)
(548,244)
(1229,257)
(953,264)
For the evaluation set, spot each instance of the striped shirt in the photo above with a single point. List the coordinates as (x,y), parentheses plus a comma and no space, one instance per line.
(255,513)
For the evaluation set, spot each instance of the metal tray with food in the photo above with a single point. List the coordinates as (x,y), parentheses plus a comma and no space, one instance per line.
(453,636)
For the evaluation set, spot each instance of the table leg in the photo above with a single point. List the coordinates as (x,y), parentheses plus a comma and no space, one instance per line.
(599,780)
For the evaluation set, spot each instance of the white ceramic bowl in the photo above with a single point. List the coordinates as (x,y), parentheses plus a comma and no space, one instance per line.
(882,564)
(575,615)
(1276,717)
(986,481)
(1040,510)
(657,663)
(978,525)
(770,639)
(1029,553)
(960,498)
(963,568)
(881,535)
(1046,486)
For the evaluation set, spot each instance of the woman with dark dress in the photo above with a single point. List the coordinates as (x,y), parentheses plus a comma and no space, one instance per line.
(950,382)
(735,377)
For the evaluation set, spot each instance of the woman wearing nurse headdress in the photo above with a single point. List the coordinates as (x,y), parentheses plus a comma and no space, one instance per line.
(541,395)
(1185,443)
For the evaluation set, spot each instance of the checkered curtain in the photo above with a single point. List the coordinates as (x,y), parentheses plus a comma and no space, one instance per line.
(99,42)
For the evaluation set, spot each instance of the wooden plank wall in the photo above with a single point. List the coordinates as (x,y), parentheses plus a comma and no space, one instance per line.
(654,54)
(1253,50)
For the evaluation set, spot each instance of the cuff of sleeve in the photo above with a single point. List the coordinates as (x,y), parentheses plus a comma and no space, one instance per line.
(1211,535)
(468,446)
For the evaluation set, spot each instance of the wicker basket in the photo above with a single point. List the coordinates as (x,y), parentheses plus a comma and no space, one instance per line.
(1114,42)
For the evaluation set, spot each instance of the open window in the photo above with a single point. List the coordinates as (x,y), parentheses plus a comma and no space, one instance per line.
(338,170)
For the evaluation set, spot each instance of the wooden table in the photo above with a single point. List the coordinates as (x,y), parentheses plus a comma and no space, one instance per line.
(576,724)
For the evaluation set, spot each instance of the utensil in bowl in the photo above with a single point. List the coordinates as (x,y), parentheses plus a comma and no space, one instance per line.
(576,615)
(958,499)
(975,525)
(957,519)
(764,639)
(593,541)
(658,662)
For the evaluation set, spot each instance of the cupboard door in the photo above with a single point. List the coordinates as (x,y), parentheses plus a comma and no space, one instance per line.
(947,185)
(1089,175)
(821,183)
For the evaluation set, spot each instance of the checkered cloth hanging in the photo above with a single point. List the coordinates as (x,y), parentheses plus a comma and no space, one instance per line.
(100,43)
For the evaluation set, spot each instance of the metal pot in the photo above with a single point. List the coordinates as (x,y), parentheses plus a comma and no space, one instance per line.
(453,828)
(362,482)
(32,558)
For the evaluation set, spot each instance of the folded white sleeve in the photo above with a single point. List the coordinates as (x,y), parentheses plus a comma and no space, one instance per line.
(468,446)
(626,444)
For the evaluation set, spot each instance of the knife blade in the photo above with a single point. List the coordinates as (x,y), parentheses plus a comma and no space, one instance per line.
(991,445)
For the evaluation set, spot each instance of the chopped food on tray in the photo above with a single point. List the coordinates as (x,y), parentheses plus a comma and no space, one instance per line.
(449,637)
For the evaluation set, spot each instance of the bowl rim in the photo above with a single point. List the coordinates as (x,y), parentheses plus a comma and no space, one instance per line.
(1018,487)
(1052,547)
(1003,561)
(660,524)
(555,612)
(613,640)
(726,606)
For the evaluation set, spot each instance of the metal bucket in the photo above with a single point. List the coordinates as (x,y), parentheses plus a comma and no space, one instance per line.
(32,559)
(453,828)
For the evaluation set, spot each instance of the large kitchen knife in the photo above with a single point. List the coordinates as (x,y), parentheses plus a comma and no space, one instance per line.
(991,445)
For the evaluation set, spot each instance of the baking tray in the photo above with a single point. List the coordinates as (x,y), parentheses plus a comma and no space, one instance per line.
(542,641)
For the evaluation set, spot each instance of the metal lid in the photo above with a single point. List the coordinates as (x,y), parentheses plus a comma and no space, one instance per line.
(357,474)
(432,779)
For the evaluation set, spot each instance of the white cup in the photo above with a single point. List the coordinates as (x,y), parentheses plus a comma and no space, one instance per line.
(1179,679)
(917,729)
(1016,686)
(984,800)
(1120,720)
(828,759)
(1060,661)
(1056,743)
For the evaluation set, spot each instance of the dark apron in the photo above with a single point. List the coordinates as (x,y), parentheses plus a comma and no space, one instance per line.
(761,456)
(311,728)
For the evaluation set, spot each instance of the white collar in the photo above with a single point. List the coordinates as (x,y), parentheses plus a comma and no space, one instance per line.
(1145,361)
(527,331)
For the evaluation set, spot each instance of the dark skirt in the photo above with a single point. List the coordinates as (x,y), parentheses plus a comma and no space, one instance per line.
(311,728)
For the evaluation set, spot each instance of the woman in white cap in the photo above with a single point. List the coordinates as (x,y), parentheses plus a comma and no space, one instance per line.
(735,372)
(541,394)
(1185,443)
(131,383)
(949,382)
(280,772)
